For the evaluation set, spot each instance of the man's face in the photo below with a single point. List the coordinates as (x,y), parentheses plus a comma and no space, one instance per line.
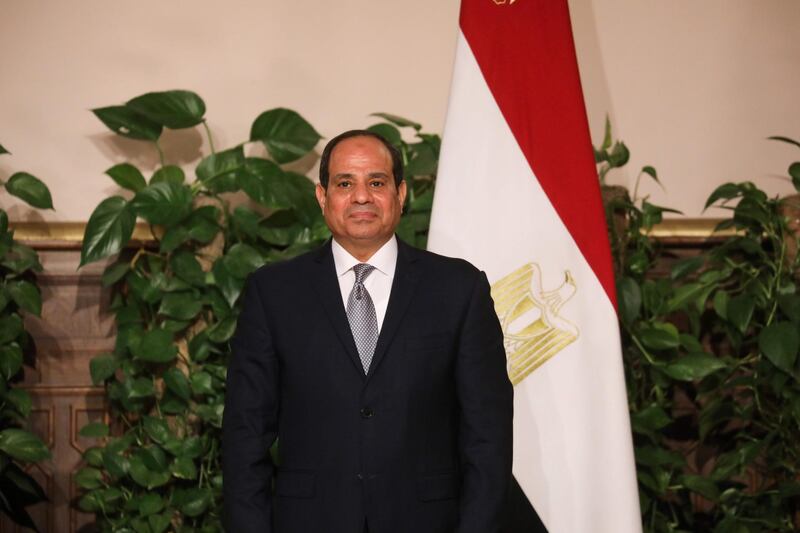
(361,205)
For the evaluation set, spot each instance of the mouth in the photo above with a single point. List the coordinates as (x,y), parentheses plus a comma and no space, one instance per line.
(363,215)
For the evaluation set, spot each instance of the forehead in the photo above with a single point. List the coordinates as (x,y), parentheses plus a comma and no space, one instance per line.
(361,150)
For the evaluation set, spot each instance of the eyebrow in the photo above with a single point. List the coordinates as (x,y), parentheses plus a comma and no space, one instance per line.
(346,175)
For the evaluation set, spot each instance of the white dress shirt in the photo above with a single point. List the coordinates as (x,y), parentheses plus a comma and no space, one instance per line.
(378,283)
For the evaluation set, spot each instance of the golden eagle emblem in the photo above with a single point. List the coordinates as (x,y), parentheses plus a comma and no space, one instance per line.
(533,328)
(501,2)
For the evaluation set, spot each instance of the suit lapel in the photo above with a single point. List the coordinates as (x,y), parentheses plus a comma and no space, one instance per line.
(403,287)
(326,285)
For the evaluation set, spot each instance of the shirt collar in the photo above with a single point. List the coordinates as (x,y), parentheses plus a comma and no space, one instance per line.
(384,260)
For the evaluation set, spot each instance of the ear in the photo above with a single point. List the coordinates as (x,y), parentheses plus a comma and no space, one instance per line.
(320,192)
(401,192)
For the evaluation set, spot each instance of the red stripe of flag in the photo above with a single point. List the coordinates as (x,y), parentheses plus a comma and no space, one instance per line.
(527,56)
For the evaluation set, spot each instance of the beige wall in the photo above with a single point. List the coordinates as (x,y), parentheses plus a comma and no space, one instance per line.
(692,87)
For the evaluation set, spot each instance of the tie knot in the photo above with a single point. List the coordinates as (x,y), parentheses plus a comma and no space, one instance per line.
(362,270)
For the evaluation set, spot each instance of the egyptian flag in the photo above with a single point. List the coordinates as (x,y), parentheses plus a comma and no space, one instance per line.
(518,196)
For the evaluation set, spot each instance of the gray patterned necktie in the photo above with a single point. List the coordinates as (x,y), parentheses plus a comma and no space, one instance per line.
(362,317)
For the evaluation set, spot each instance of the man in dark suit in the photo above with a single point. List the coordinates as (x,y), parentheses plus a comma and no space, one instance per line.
(381,369)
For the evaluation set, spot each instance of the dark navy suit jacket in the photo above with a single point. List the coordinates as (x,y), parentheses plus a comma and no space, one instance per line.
(421,444)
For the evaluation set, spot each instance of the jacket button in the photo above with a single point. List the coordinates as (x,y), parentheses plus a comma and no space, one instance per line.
(366,412)
(360,476)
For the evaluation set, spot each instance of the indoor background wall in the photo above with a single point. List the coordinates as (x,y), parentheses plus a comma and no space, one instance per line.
(694,88)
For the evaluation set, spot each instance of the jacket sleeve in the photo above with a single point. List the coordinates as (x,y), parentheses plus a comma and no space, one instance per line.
(250,420)
(486,399)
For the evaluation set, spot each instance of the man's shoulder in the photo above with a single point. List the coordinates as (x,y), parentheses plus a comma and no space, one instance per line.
(444,266)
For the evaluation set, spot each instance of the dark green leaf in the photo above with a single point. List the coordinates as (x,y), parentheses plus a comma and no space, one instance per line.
(220,171)
(157,429)
(146,477)
(653,456)
(286,134)
(180,305)
(89,478)
(155,346)
(780,342)
(650,171)
(176,382)
(3,150)
(228,284)
(150,504)
(94,456)
(163,203)
(686,266)
(186,267)
(794,172)
(173,109)
(115,464)
(173,238)
(691,343)
(619,155)
(660,336)
(388,132)
(10,328)
(268,185)
(26,295)
(170,174)
(784,139)
(115,272)
(702,486)
(201,383)
(424,161)
(20,400)
(194,502)
(203,225)
(726,191)
(31,189)
(10,359)
(630,299)
(199,348)
(651,418)
(141,387)
(694,366)
(740,311)
(160,522)
(191,447)
(143,288)
(23,445)
(128,123)
(242,259)
(102,367)
(222,330)
(109,229)
(790,305)
(607,139)
(398,121)
(721,300)
(153,458)
(184,468)
(91,502)
(94,430)
(684,295)
(127,176)
(21,258)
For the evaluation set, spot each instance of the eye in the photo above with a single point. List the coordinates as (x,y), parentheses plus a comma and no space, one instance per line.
(376,183)
(343,184)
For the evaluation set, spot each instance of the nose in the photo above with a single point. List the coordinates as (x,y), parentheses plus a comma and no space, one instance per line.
(361,193)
